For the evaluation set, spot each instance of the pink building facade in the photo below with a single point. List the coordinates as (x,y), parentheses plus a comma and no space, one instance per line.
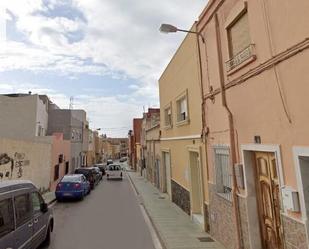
(255,96)
(61,154)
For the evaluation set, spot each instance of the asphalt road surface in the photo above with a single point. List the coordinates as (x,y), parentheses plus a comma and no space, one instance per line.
(109,218)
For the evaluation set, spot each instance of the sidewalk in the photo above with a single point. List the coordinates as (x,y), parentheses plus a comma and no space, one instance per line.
(174,227)
(49,197)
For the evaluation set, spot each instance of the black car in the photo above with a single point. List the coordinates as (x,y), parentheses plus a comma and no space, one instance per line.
(90,174)
(102,167)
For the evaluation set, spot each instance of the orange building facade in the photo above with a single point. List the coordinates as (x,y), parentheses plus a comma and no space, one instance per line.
(255,92)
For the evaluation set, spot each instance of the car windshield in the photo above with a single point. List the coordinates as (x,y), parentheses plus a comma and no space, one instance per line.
(71,179)
(114,167)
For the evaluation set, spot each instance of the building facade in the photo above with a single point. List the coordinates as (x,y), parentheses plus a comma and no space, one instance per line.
(43,160)
(153,155)
(254,72)
(135,144)
(150,146)
(71,124)
(182,149)
(30,110)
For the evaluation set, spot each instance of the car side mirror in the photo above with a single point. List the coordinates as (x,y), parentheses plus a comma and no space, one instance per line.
(44,207)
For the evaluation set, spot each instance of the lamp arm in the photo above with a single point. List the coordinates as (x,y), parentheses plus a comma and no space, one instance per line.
(193,32)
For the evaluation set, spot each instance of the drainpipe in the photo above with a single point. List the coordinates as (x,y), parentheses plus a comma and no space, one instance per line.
(232,136)
(203,124)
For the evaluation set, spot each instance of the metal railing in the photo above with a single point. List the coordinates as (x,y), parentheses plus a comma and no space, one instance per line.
(239,58)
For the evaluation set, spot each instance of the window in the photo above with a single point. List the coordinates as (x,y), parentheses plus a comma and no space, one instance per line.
(23,209)
(168,116)
(223,176)
(66,167)
(182,109)
(56,172)
(6,217)
(240,47)
(36,201)
(239,35)
(60,158)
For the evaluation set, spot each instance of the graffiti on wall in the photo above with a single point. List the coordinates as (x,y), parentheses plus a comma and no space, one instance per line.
(12,167)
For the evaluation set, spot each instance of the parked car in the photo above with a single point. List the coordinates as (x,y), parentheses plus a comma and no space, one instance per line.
(109,161)
(90,174)
(123,159)
(114,171)
(72,187)
(102,168)
(25,219)
(100,174)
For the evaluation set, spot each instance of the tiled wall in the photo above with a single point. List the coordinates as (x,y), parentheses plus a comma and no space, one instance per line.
(181,197)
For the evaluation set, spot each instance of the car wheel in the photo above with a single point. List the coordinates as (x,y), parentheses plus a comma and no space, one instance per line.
(47,240)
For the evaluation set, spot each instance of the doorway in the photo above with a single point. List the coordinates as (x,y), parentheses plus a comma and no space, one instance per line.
(167,165)
(268,201)
(196,187)
(157,173)
(304,173)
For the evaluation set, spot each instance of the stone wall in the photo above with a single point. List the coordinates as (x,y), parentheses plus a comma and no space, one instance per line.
(222,221)
(294,234)
(244,222)
(181,197)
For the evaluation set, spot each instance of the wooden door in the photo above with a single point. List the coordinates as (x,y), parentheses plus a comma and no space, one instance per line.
(268,189)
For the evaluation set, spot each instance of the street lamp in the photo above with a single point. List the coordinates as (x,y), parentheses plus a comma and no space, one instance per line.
(168,28)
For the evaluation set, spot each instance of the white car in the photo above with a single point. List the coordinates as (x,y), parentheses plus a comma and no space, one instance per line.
(114,171)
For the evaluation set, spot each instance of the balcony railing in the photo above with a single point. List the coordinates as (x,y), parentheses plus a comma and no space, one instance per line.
(239,58)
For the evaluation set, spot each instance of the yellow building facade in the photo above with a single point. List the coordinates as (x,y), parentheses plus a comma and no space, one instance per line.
(183,168)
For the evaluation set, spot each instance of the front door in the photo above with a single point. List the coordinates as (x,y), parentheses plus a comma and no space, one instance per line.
(268,189)
(196,186)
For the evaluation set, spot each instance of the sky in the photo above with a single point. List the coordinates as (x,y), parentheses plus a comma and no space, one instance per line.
(106,54)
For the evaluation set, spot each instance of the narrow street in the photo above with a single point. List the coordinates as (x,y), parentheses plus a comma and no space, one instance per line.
(109,218)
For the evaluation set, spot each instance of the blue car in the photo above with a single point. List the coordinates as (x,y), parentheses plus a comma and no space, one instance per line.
(72,187)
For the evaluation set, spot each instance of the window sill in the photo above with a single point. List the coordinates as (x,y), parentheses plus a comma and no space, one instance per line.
(183,122)
(168,127)
(242,65)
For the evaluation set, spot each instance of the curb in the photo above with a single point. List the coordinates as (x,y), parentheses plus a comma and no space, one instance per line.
(163,244)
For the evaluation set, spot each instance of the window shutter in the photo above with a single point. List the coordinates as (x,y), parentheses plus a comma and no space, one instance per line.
(239,36)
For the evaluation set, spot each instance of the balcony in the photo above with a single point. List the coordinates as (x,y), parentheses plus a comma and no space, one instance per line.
(246,55)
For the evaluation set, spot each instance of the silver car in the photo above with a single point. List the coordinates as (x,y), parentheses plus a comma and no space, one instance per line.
(25,219)
(114,171)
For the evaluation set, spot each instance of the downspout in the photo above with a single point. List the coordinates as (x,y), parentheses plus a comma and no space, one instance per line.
(203,133)
(232,136)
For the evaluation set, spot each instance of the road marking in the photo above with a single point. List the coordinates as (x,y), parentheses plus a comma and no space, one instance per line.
(153,233)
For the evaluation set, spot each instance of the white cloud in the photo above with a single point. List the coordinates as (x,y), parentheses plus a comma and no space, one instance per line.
(113,113)
(119,38)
